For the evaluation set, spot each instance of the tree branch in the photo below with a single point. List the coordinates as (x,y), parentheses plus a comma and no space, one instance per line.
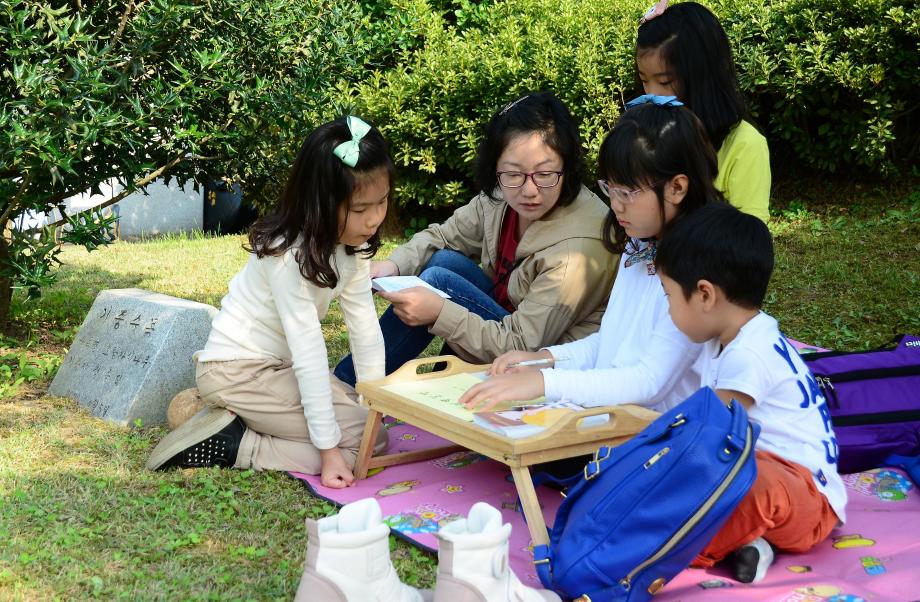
(123,22)
(153,175)
(56,199)
(14,201)
(900,114)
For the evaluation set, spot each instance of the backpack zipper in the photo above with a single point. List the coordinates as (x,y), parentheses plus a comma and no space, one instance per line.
(651,461)
(893,345)
(830,392)
(844,377)
(827,388)
(626,582)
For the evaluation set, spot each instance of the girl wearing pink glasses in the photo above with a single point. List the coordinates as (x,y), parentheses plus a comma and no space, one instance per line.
(656,166)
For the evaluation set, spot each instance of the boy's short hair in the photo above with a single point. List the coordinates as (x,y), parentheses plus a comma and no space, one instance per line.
(719,243)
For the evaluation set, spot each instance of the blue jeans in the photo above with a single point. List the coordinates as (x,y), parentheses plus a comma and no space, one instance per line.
(456,275)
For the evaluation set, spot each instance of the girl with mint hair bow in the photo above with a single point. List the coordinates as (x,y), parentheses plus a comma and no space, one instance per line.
(263,376)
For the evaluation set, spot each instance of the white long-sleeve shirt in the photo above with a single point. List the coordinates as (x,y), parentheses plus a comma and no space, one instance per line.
(271,311)
(638,356)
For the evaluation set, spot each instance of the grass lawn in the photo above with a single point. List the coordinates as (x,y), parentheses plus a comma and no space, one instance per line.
(81,518)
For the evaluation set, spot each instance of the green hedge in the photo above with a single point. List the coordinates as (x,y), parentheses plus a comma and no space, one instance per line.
(105,90)
(835,80)
(831,82)
(433,105)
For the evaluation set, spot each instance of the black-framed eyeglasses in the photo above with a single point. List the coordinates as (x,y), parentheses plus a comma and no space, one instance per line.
(516,179)
(624,196)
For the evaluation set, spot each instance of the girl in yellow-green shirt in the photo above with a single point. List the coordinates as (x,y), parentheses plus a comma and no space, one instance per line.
(683,51)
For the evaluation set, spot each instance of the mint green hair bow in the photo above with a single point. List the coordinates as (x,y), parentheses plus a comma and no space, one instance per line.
(350,150)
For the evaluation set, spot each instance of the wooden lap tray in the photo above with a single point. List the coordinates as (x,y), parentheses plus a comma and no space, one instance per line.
(564,439)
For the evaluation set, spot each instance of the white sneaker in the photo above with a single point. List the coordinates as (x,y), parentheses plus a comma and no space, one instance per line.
(473,562)
(348,559)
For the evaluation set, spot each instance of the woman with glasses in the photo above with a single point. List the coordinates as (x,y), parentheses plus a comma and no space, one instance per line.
(524,262)
(656,167)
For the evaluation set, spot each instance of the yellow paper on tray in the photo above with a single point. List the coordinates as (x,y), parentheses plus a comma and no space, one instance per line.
(442,394)
(545,417)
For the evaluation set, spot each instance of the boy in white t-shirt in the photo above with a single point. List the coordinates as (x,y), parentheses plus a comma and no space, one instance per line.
(714,266)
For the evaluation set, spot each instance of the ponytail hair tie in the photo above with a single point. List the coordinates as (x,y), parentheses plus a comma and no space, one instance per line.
(350,150)
(656,10)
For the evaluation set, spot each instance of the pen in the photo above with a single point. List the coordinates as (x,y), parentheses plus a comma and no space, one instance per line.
(538,362)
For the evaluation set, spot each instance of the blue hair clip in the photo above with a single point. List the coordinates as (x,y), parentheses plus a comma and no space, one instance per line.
(661,101)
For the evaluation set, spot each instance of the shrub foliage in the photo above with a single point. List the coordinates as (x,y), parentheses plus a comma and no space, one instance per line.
(101,91)
(95,91)
(831,83)
(834,80)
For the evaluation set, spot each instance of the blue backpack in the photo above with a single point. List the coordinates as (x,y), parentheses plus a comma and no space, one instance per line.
(641,512)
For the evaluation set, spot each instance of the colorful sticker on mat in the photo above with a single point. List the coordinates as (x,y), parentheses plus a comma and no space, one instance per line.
(458,460)
(892,486)
(820,592)
(513,506)
(452,489)
(427,518)
(845,542)
(397,488)
(872,565)
(799,568)
(714,584)
(887,485)
(533,579)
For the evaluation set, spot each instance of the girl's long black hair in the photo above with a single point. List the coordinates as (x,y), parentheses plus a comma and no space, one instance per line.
(693,44)
(649,145)
(307,214)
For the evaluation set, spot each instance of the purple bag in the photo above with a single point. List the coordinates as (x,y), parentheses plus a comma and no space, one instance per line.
(874,401)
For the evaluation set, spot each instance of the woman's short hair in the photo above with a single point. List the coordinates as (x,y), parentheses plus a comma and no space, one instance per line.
(536,112)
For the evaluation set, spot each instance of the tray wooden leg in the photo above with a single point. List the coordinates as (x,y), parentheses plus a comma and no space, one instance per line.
(530,505)
(415,456)
(371,428)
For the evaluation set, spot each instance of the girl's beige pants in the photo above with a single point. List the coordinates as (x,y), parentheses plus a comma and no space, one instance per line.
(264,393)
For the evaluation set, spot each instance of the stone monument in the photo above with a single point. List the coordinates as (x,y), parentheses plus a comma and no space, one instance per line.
(132,354)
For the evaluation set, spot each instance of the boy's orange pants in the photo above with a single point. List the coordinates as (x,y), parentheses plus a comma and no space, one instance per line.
(783,506)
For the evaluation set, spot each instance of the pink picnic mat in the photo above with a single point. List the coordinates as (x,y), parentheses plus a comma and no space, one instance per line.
(874,557)
(418,498)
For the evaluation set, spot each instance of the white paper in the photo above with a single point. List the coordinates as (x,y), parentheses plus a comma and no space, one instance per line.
(392,284)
